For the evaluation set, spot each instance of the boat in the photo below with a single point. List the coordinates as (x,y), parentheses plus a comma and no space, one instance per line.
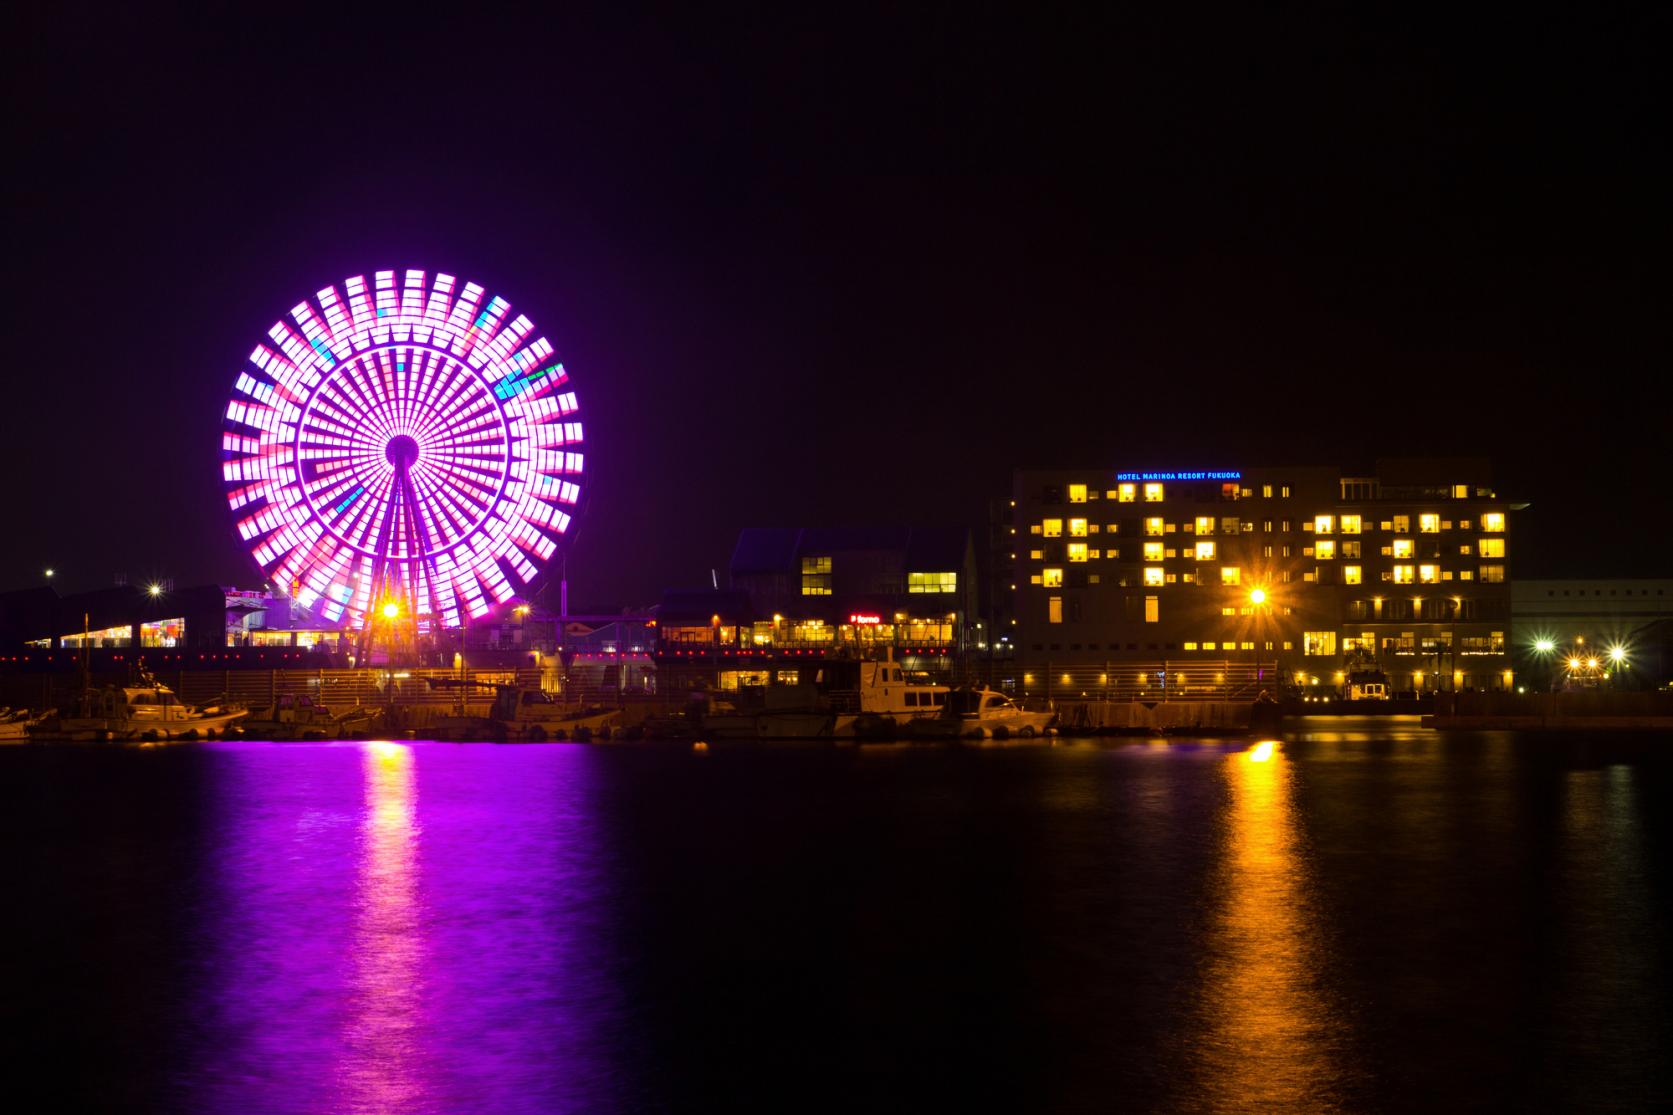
(529,713)
(294,716)
(149,711)
(16,722)
(983,714)
(867,699)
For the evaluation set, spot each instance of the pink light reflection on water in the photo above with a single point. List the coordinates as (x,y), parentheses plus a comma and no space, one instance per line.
(410,927)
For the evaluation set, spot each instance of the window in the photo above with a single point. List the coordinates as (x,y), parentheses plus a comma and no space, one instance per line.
(1205,551)
(1077,493)
(1318,643)
(1324,524)
(1428,524)
(1401,524)
(1205,524)
(1052,578)
(1153,493)
(1493,574)
(1036,555)
(1152,551)
(1153,609)
(1077,551)
(1154,527)
(1325,549)
(1428,574)
(1189,646)
(1460,491)
(1126,493)
(1153,576)
(1403,574)
(1493,522)
(1052,528)
(1350,574)
(1077,528)
(1054,609)
(931,582)
(1350,549)
(1284,492)
(1493,547)
(1266,491)
(816,576)
(1402,547)
(1231,575)
(1351,524)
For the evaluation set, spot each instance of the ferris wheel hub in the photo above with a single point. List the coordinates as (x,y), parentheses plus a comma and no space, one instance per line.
(401,451)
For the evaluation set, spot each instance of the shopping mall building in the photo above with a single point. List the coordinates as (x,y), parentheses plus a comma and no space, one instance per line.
(1154,582)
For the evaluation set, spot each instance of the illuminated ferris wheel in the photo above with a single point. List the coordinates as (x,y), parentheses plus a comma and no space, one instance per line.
(403,444)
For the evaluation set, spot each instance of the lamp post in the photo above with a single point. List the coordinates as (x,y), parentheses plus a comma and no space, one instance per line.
(1257,601)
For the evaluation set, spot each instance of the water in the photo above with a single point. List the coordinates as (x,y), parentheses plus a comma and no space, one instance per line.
(1357,918)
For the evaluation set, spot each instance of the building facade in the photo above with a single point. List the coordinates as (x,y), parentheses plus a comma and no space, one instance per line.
(798,596)
(1161,583)
(1591,631)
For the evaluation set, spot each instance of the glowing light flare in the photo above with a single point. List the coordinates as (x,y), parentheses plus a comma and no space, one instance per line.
(1262,752)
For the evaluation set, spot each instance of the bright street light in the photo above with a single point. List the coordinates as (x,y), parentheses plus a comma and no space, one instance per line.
(49,572)
(1545,646)
(1257,596)
(154,589)
(1617,654)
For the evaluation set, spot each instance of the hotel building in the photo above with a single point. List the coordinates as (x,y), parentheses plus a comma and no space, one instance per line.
(1160,583)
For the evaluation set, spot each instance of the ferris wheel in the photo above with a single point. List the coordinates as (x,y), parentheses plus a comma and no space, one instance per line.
(403,445)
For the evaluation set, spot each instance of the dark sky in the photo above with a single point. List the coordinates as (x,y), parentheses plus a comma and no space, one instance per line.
(851,265)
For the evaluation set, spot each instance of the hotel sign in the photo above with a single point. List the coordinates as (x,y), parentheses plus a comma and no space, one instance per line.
(1179,476)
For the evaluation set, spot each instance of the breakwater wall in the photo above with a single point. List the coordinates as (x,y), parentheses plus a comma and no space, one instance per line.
(1588,710)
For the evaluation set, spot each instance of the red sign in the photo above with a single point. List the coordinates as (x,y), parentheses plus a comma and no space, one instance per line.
(862,618)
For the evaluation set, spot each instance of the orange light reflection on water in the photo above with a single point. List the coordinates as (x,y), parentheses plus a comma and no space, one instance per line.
(1265,1033)
(381,1052)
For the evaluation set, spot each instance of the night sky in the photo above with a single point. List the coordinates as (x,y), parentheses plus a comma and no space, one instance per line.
(855,266)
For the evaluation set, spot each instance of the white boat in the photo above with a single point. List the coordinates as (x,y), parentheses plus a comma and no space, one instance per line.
(16,722)
(867,699)
(136,712)
(984,714)
(294,716)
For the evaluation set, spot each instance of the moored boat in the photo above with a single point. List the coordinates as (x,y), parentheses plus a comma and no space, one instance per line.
(150,711)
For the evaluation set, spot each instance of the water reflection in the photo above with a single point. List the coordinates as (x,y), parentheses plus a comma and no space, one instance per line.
(380,1066)
(1265,1034)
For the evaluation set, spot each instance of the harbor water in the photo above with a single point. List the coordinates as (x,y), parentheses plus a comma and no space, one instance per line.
(1358,915)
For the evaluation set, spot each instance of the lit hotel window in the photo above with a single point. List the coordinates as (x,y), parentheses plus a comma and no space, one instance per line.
(1205,524)
(1324,524)
(1153,526)
(1153,609)
(931,582)
(1266,491)
(1493,573)
(1428,574)
(1318,643)
(1077,551)
(1403,574)
(1189,646)
(1126,493)
(1402,524)
(1052,528)
(1153,575)
(816,576)
(1493,521)
(1054,609)
(1152,551)
(1205,551)
(1493,547)
(1153,493)
(1325,549)
(1350,524)
(1402,547)
(1460,491)
(1231,575)
(1077,493)
(1350,574)
(1429,524)
(1077,528)
(1053,578)
(1036,555)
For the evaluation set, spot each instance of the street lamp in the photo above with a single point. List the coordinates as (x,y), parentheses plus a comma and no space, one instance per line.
(391,610)
(154,589)
(1257,600)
